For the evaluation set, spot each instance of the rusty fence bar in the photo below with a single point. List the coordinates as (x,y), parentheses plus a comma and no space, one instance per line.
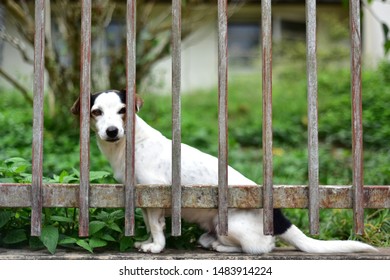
(130,120)
(176,118)
(266,24)
(85,92)
(222,118)
(194,196)
(267,196)
(313,161)
(37,145)
(357,126)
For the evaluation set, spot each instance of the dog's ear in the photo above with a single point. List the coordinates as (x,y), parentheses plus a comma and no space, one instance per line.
(76,107)
(138,100)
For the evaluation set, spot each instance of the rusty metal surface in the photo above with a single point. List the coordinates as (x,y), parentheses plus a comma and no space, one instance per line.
(129,198)
(266,27)
(85,92)
(357,125)
(311,69)
(176,118)
(112,196)
(222,117)
(37,145)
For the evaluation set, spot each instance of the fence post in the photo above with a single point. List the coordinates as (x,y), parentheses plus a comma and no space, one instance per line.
(357,126)
(85,93)
(266,24)
(311,60)
(176,117)
(37,145)
(222,118)
(130,120)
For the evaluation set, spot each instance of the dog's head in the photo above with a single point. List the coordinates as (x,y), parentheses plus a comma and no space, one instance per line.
(108,111)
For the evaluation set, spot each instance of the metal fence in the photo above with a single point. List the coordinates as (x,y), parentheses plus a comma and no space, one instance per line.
(267,196)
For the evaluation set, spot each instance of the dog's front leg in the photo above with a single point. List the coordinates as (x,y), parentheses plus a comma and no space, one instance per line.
(156,220)
(146,221)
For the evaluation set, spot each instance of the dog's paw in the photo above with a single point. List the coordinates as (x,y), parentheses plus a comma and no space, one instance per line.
(138,244)
(151,248)
(219,247)
(206,240)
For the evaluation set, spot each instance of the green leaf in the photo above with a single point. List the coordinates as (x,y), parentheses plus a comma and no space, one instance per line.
(49,238)
(95,226)
(20,169)
(84,244)
(115,227)
(98,175)
(102,215)
(108,237)
(67,240)
(96,242)
(62,176)
(116,215)
(15,236)
(5,216)
(61,219)
(16,160)
(125,243)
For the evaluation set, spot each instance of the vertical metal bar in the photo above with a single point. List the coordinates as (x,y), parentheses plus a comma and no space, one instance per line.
(311,49)
(357,127)
(176,118)
(130,120)
(85,92)
(266,24)
(37,145)
(222,118)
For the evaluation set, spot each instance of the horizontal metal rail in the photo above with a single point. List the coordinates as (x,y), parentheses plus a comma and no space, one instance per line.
(195,196)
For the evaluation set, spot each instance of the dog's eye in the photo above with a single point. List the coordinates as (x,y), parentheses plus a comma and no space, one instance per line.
(97,112)
(122,111)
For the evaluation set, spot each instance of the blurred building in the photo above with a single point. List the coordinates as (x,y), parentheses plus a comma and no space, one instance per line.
(199,50)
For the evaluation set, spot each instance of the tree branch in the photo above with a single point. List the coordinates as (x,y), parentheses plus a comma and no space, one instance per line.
(17,44)
(16,85)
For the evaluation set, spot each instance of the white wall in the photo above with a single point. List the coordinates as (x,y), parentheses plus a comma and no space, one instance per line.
(199,68)
(373,37)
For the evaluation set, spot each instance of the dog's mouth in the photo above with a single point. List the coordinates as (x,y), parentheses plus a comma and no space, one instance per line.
(112,140)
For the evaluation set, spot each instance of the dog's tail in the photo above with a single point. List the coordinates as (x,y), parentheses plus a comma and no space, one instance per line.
(295,237)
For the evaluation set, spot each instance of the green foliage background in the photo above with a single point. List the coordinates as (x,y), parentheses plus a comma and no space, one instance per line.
(199,129)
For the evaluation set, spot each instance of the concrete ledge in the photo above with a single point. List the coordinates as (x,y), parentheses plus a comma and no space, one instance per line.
(198,254)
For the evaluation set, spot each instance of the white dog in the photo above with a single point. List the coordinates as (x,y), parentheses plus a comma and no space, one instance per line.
(153,166)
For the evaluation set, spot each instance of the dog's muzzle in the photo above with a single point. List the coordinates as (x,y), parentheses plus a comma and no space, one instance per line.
(112,133)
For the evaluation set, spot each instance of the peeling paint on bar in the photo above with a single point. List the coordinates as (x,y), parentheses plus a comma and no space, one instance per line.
(196,196)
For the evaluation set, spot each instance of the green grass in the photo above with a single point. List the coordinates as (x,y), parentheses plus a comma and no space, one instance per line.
(200,129)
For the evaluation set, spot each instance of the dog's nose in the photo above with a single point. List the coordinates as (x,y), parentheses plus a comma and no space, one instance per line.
(112,131)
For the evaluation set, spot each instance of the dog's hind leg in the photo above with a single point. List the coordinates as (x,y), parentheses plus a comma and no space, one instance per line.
(206,240)
(219,247)
(156,220)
